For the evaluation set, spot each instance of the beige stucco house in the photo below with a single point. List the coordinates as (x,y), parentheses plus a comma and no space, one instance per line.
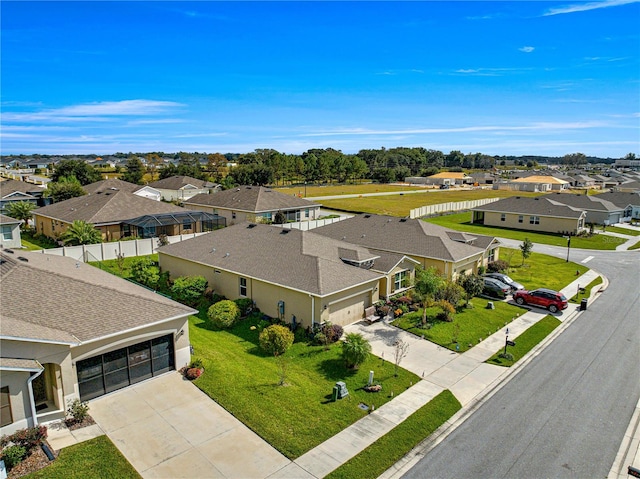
(541,214)
(182,188)
(298,276)
(256,204)
(70,330)
(10,232)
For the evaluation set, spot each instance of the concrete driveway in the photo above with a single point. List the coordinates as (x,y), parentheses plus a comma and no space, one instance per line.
(167,428)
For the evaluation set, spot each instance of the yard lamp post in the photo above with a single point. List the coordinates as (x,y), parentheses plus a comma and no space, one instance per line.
(568,246)
(305,189)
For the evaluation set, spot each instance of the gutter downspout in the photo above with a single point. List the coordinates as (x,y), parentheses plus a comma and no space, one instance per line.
(32,401)
(313,311)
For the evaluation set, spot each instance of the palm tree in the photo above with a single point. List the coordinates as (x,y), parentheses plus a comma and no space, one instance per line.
(20,210)
(81,232)
(355,350)
(425,285)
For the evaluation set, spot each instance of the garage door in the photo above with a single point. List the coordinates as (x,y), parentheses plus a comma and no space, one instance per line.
(117,369)
(348,311)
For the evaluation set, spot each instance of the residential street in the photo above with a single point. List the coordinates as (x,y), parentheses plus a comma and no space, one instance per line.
(566,412)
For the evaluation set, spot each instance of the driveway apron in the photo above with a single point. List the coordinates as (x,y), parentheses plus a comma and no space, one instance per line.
(167,428)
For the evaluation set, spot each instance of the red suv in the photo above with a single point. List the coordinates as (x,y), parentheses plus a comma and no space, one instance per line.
(545,298)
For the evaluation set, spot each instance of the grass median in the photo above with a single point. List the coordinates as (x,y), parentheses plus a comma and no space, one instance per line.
(390,448)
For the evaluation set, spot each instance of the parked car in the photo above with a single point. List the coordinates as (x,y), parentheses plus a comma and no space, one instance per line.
(493,287)
(515,286)
(444,187)
(544,298)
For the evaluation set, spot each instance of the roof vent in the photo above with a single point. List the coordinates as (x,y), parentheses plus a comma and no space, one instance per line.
(10,251)
(536,199)
(517,197)
(284,232)
(226,254)
(344,238)
(22,258)
(367,216)
(252,225)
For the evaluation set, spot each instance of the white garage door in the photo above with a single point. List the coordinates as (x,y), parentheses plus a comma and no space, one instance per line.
(348,311)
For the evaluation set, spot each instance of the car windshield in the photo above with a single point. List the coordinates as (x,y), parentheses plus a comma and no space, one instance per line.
(562,297)
(506,279)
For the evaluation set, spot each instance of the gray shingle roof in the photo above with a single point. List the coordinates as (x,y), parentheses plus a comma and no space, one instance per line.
(405,236)
(7,220)
(621,199)
(585,202)
(106,207)
(11,186)
(179,182)
(112,184)
(251,198)
(54,298)
(301,260)
(540,206)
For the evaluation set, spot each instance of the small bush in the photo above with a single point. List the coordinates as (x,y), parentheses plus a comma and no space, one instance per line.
(78,410)
(189,289)
(196,363)
(193,373)
(319,338)
(498,266)
(13,455)
(276,339)
(244,305)
(507,356)
(224,314)
(27,438)
(447,311)
(332,332)
(300,335)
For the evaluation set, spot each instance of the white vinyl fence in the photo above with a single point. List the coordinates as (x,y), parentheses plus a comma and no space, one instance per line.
(449,207)
(309,225)
(105,251)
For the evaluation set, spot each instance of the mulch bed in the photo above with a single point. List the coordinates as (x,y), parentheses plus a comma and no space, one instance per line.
(34,462)
(73,425)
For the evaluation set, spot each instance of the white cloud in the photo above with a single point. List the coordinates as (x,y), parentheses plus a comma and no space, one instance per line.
(527,49)
(583,7)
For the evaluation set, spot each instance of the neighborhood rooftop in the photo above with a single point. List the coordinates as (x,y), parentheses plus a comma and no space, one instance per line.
(540,205)
(251,198)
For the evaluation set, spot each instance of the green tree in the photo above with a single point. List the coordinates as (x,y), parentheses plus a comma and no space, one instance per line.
(426,283)
(526,247)
(135,171)
(20,210)
(224,314)
(472,284)
(65,188)
(355,350)
(450,291)
(80,232)
(276,339)
(79,169)
(145,271)
(189,289)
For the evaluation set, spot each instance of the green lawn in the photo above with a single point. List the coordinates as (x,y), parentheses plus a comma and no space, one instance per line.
(587,290)
(470,326)
(526,341)
(32,242)
(635,246)
(624,231)
(96,458)
(123,270)
(462,222)
(400,205)
(300,415)
(389,449)
(335,190)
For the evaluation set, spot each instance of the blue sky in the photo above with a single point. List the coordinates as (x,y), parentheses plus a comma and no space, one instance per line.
(500,78)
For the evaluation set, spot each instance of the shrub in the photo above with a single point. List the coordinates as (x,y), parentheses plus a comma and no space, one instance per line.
(498,266)
(447,310)
(196,363)
(13,455)
(355,350)
(193,373)
(145,271)
(189,289)
(450,292)
(27,438)
(244,305)
(276,339)
(224,314)
(78,410)
(212,296)
(300,335)
(481,270)
(320,338)
(334,332)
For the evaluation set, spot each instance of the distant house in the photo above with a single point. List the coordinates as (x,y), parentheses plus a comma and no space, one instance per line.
(451,252)
(630,186)
(531,214)
(599,211)
(182,188)
(70,330)
(483,178)
(16,191)
(120,213)
(629,202)
(10,232)
(299,277)
(535,183)
(444,178)
(255,204)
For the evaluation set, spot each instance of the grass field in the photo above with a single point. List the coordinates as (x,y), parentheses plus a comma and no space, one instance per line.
(300,415)
(462,222)
(390,448)
(334,190)
(624,231)
(526,341)
(400,205)
(96,458)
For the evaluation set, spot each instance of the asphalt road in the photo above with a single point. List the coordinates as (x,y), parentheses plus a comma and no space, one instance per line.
(565,413)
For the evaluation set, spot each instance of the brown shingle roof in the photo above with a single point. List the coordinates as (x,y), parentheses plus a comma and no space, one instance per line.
(179,182)
(407,236)
(106,207)
(7,220)
(251,198)
(11,186)
(55,298)
(112,184)
(301,260)
(541,206)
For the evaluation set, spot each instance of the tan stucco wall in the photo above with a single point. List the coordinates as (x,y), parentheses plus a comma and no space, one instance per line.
(547,223)
(19,399)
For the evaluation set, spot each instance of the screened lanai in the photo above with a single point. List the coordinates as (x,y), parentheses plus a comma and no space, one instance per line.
(171,224)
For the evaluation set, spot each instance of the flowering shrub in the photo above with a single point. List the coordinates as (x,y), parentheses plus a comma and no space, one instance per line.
(27,438)
(193,373)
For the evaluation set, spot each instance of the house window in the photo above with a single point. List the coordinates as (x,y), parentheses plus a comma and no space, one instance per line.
(233,215)
(534,220)
(243,286)
(580,223)
(520,219)
(306,213)
(7,233)
(503,217)
(5,407)
(492,255)
(401,280)
(186,224)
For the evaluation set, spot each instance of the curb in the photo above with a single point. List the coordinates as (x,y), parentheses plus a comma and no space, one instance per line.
(412,457)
